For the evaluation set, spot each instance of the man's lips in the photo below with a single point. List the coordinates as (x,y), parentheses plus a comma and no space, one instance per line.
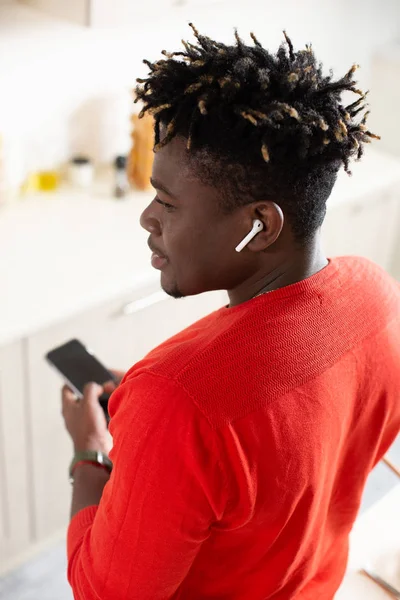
(158,260)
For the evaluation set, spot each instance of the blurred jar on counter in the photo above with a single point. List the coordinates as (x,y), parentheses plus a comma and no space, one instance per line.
(80,172)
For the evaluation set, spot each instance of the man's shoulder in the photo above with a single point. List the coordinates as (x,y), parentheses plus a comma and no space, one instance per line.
(199,360)
(234,361)
(172,356)
(353,266)
(368,282)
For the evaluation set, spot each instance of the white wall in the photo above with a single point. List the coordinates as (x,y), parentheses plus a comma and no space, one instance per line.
(65,88)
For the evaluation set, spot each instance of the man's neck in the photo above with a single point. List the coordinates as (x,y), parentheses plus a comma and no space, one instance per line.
(300,265)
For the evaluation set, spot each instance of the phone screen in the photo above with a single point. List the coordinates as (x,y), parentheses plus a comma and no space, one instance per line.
(78,366)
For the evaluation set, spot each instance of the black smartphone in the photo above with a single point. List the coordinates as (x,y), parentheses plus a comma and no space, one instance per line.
(78,366)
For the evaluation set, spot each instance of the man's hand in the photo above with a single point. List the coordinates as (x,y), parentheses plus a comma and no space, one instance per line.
(85,420)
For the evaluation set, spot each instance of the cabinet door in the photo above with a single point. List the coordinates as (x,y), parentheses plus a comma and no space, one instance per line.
(104,13)
(75,11)
(15,491)
(119,333)
(365,227)
(394,229)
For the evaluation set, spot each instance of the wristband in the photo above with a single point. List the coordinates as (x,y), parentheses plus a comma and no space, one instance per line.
(98,459)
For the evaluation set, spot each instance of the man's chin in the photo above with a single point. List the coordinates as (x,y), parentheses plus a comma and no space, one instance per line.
(174,292)
(172,289)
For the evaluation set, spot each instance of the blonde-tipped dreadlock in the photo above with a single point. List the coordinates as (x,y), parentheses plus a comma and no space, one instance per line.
(275,114)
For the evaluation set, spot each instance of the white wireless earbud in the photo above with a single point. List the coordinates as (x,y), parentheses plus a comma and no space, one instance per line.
(257,227)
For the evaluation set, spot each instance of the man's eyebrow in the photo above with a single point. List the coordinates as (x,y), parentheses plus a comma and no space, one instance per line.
(157,185)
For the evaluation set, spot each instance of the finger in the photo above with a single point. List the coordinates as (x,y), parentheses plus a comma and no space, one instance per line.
(68,395)
(68,399)
(91,393)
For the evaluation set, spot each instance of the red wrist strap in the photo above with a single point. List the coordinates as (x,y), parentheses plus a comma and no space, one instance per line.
(88,462)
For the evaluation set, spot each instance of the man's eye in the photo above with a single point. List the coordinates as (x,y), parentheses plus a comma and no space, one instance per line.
(168,207)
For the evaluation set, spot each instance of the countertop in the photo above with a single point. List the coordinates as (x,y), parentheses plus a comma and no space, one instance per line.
(66,252)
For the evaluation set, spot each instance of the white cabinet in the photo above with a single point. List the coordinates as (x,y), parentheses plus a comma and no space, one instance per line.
(367,226)
(119,340)
(395,261)
(115,13)
(191,4)
(103,13)
(385,96)
(16,524)
(75,11)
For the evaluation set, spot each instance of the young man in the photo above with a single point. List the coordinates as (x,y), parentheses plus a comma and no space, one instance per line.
(242,445)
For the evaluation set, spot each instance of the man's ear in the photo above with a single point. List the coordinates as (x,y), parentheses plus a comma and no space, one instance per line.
(272,218)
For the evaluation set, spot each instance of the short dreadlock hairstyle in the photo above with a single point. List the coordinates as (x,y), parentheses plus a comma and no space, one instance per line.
(259,126)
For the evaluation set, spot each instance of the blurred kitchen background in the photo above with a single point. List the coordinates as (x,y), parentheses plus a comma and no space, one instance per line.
(73,260)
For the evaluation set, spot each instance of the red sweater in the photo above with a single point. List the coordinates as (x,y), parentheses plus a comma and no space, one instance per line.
(242,446)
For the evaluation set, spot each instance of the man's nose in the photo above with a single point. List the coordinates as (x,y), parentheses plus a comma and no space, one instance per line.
(149,220)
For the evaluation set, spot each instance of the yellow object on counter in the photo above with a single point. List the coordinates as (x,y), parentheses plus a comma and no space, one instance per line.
(140,160)
(48,181)
(31,184)
(42,181)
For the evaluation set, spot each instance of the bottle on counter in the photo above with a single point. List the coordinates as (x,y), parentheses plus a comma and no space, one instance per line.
(121,187)
(141,156)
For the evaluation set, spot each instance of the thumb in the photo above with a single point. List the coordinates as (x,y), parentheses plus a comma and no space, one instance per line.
(68,399)
(109,387)
(91,393)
